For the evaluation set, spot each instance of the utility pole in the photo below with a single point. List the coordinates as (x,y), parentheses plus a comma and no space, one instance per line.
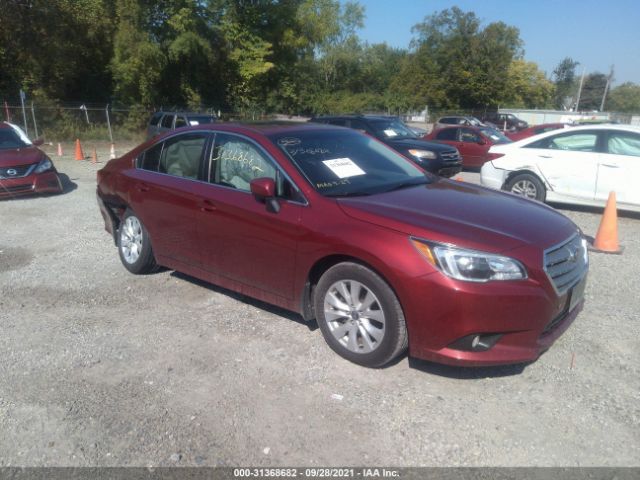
(606,88)
(584,70)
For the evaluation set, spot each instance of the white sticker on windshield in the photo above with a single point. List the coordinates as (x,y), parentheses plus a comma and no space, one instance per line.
(390,133)
(344,167)
(194,122)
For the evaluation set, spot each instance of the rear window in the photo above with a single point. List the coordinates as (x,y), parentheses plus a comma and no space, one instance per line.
(155,119)
(167,121)
(447,134)
(201,119)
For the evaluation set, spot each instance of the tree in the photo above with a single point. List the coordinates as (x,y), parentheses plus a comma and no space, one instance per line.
(527,86)
(564,77)
(464,64)
(625,98)
(592,91)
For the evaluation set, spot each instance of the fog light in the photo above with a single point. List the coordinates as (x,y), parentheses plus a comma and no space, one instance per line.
(477,342)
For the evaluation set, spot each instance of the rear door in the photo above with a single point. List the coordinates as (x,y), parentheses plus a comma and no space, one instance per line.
(568,161)
(163,194)
(619,167)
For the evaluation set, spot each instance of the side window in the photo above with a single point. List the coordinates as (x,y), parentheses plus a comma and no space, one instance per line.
(236,161)
(447,120)
(580,142)
(150,159)
(339,122)
(155,119)
(359,125)
(447,134)
(167,121)
(181,122)
(624,143)
(181,155)
(470,136)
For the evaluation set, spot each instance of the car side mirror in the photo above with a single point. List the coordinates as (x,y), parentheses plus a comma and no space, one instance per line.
(37,142)
(264,189)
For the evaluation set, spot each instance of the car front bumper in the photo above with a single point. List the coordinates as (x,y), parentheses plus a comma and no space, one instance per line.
(46,182)
(526,317)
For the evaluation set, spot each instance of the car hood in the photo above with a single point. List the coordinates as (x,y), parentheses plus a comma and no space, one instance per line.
(407,143)
(465,214)
(20,156)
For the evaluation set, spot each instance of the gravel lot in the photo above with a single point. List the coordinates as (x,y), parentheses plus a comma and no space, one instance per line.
(99,367)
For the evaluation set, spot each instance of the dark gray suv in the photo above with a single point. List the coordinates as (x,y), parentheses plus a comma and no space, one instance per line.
(165,121)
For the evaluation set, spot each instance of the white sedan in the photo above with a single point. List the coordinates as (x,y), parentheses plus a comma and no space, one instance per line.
(580,165)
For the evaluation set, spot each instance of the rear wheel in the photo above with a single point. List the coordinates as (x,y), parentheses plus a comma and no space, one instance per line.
(527,185)
(359,315)
(134,245)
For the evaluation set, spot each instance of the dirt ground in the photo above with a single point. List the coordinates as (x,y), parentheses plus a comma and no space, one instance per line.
(99,367)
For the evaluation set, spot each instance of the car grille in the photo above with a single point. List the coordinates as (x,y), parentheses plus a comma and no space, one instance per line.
(566,263)
(451,158)
(16,172)
(15,189)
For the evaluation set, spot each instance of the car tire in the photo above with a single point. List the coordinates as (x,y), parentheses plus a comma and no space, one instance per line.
(359,315)
(134,245)
(527,185)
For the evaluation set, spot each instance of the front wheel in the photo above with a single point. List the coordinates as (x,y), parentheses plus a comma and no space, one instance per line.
(527,185)
(359,315)
(134,245)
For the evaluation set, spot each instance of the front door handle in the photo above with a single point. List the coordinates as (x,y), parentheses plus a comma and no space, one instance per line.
(207,206)
(545,156)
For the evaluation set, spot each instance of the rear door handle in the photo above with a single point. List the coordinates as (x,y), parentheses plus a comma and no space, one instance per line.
(207,206)
(142,187)
(610,165)
(545,156)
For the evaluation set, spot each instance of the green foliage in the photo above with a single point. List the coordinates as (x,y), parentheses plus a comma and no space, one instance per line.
(527,86)
(564,77)
(625,98)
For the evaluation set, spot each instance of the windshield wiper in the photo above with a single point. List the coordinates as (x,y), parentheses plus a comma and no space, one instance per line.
(412,183)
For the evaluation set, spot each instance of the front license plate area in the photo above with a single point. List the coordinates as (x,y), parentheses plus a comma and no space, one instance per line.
(577,293)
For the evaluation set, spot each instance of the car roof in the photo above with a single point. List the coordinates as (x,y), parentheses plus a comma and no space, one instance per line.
(356,117)
(581,128)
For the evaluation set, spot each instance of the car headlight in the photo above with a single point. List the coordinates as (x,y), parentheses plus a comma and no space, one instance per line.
(470,265)
(44,165)
(423,154)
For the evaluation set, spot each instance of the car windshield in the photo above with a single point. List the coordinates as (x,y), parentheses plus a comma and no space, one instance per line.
(200,119)
(348,163)
(496,136)
(392,129)
(10,139)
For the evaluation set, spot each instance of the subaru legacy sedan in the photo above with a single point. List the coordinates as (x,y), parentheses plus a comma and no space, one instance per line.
(336,226)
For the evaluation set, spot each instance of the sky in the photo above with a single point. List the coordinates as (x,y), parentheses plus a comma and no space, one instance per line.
(596,33)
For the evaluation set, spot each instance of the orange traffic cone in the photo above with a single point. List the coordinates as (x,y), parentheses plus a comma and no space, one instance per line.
(112,153)
(79,153)
(606,240)
(459,179)
(59,150)
(94,157)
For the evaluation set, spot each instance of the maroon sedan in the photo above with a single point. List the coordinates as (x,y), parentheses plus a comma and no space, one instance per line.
(24,168)
(535,130)
(473,143)
(336,226)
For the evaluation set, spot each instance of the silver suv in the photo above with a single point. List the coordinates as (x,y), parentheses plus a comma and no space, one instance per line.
(465,120)
(165,121)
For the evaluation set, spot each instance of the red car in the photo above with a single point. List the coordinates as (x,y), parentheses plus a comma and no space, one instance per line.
(336,226)
(24,168)
(473,143)
(535,130)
